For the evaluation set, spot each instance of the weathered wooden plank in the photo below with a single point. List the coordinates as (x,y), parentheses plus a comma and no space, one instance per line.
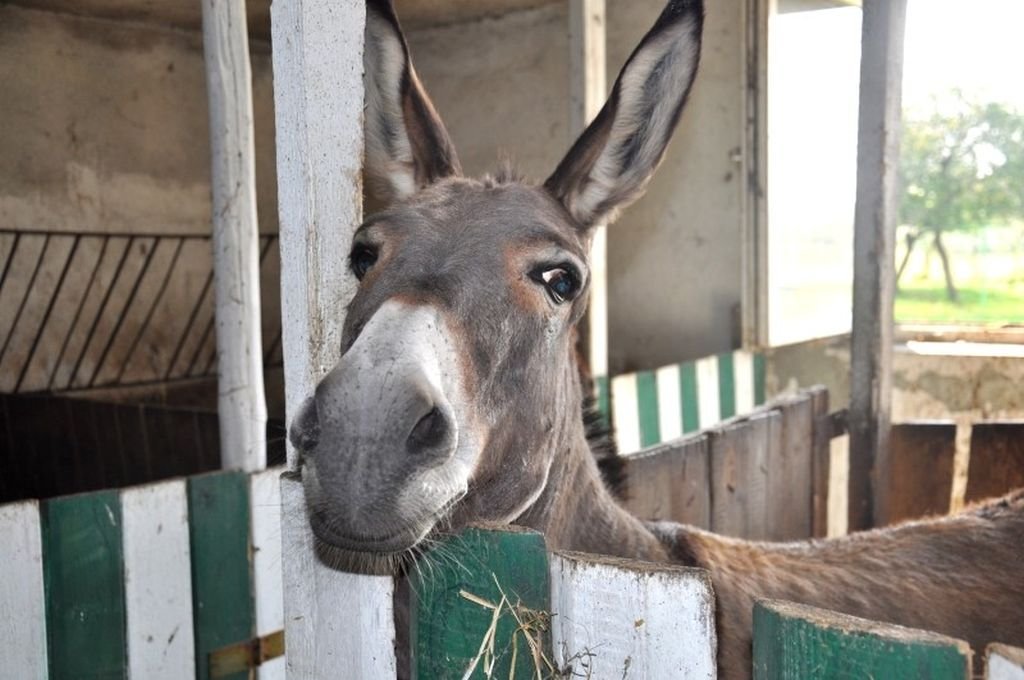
(918,479)
(587,92)
(647,404)
(158,582)
(615,618)
(82,563)
(688,395)
(708,404)
(670,482)
(626,412)
(789,463)
(268,596)
(726,386)
(481,608)
(797,642)
(821,460)
(241,404)
(218,519)
(997,459)
(875,215)
(337,625)
(670,404)
(739,454)
(1003,662)
(22,603)
(743,373)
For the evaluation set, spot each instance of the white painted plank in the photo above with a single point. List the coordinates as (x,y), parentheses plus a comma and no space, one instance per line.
(743,380)
(631,619)
(22,603)
(337,625)
(268,578)
(158,582)
(587,92)
(670,403)
(1004,663)
(241,404)
(318,106)
(626,413)
(707,392)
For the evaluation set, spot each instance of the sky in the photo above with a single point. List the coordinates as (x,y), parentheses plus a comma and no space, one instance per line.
(975,46)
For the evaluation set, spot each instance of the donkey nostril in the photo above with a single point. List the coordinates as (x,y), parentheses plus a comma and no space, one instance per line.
(305,430)
(429,433)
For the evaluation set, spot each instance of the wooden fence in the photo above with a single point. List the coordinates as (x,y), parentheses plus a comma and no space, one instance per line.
(182,579)
(650,407)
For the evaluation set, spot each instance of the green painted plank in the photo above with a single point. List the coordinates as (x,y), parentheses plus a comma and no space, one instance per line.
(688,390)
(83,575)
(726,386)
(647,404)
(603,401)
(450,630)
(759,372)
(222,606)
(796,642)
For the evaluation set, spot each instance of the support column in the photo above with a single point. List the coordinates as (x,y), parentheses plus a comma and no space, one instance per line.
(587,93)
(881,80)
(241,404)
(337,625)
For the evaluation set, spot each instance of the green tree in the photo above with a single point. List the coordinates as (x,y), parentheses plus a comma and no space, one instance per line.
(960,171)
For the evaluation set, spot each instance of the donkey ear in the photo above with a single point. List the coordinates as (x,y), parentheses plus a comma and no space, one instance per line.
(610,164)
(407,145)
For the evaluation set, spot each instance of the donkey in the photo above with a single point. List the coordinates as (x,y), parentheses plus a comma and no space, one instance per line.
(457,396)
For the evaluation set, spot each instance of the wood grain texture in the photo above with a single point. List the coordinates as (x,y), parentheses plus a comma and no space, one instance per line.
(796,642)
(453,628)
(739,456)
(918,479)
(218,507)
(337,625)
(670,482)
(789,494)
(267,577)
(241,403)
(997,460)
(614,618)
(1003,662)
(22,603)
(875,215)
(85,609)
(821,462)
(158,582)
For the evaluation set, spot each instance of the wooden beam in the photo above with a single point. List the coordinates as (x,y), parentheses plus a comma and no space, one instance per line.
(881,77)
(240,400)
(337,625)
(587,92)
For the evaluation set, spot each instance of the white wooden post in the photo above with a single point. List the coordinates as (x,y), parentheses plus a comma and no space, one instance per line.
(587,92)
(878,151)
(236,265)
(622,618)
(337,625)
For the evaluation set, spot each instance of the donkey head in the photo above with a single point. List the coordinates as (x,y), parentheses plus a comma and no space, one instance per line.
(457,385)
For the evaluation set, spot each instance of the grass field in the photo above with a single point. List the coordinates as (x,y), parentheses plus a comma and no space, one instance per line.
(988,271)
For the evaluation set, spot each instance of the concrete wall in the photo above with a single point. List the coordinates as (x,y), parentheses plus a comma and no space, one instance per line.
(674,257)
(967,386)
(105,126)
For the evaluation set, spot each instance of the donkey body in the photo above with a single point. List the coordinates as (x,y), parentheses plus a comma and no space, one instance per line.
(457,398)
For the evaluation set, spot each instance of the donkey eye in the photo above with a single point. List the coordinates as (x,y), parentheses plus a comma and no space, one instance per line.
(361,259)
(562,282)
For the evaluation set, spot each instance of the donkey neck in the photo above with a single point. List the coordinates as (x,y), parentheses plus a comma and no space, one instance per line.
(575,511)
